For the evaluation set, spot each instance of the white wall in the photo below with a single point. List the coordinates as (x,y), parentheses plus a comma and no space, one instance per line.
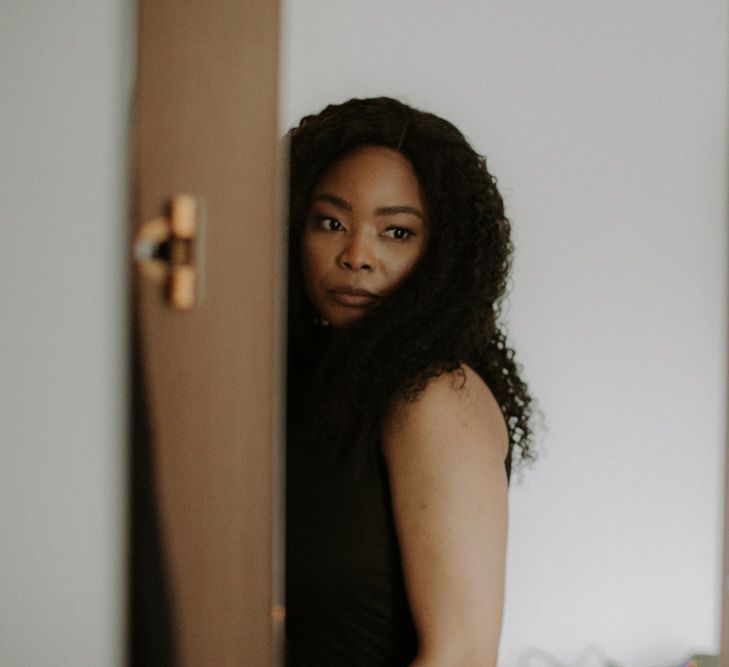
(606,125)
(67,69)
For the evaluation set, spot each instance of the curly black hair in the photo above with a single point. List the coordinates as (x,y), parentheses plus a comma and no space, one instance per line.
(444,314)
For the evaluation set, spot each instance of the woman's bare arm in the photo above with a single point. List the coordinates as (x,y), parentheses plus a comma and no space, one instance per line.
(445,456)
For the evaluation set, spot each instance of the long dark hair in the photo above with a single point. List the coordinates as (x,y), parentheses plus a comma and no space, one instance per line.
(444,314)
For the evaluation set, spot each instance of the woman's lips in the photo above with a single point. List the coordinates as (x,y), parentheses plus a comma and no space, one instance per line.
(352,296)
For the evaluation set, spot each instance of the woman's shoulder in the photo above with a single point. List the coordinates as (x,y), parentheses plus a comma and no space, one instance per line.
(445,454)
(454,409)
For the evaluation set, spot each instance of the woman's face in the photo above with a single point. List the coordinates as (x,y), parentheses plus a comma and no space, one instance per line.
(365,230)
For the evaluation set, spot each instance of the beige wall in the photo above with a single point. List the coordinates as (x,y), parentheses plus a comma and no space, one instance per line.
(67,75)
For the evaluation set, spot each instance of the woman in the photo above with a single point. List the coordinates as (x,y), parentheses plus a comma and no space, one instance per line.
(406,408)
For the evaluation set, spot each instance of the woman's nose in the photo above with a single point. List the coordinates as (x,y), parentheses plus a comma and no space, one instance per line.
(357,254)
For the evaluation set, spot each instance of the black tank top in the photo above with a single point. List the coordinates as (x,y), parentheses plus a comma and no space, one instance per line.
(345,595)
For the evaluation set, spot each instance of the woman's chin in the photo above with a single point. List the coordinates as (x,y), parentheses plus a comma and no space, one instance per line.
(341,317)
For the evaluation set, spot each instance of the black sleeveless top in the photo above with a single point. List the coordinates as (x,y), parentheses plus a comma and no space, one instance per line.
(345,594)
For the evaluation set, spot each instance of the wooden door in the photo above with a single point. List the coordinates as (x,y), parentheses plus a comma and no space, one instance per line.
(205,123)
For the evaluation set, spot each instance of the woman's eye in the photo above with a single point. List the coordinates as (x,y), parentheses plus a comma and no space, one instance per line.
(330,224)
(398,233)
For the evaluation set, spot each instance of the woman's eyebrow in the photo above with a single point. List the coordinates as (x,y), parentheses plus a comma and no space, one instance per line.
(395,210)
(383,210)
(333,199)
